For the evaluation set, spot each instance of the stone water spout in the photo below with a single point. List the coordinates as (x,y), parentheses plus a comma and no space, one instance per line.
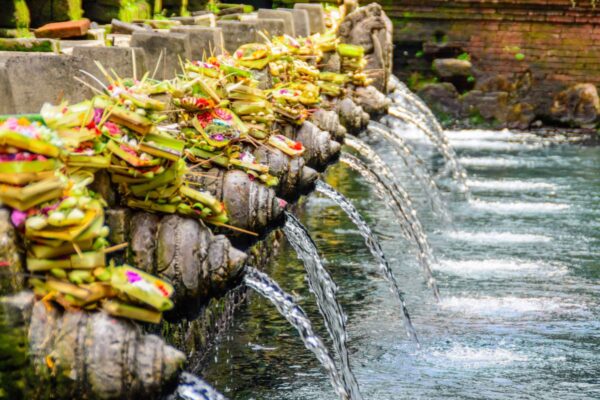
(293,173)
(250,205)
(77,354)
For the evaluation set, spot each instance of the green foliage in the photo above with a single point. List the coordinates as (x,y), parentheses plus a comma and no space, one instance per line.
(470,79)
(419,54)
(416,81)
(519,56)
(75,9)
(134,9)
(22,18)
(464,57)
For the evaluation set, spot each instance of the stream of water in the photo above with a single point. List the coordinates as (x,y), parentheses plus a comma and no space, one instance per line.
(519,273)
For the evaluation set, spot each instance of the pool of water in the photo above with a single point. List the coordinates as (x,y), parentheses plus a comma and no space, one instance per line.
(519,274)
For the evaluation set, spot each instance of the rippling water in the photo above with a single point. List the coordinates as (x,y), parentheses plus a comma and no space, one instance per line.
(519,274)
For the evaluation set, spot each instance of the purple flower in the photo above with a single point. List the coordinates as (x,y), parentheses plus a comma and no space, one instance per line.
(133,277)
(218,137)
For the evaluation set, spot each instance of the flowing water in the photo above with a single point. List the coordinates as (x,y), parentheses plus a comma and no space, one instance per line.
(373,244)
(324,289)
(286,306)
(520,312)
(190,387)
(405,214)
(416,166)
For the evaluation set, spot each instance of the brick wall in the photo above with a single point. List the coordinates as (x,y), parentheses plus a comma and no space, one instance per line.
(549,38)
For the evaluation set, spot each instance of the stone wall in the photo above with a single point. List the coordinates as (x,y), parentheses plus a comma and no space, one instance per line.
(535,47)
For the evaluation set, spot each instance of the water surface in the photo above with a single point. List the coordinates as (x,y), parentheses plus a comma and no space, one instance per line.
(518,270)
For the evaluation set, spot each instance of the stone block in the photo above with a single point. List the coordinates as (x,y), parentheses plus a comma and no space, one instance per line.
(61,30)
(301,21)
(316,16)
(119,59)
(236,33)
(273,27)
(207,20)
(203,40)
(172,46)
(287,18)
(31,79)
(126,28)
(578,105)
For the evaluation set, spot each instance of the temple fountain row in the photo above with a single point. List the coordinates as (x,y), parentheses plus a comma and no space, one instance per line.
(191,229)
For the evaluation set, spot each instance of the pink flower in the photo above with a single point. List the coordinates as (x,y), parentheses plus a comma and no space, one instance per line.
(133,277)
(18,217)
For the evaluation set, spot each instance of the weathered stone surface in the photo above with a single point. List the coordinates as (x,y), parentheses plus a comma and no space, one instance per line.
(489,105)
(63,30)
(301,21)
(119,59)
(370,28)
(143,241)
(329,121)
(371,100)
(316,16)
(520,116)
(204,40)
(126,28)
(97,356)
(578,104)
(237,33)
(452,67)
(286,17)
(30,80)
(352,116)
(11,281)
(294,176)
(272,26)
(442,98)
(331,62)
(250,205)
(172,46)
(320,149)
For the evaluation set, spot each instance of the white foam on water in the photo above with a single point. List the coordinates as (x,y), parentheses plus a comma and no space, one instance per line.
(479,134)
(493,145)
(517,206)
(490,162)
(510,185)
(496,267)
(497,237)
(478,356)
(509,306)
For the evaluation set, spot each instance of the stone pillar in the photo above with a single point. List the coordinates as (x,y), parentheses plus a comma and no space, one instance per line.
(237,33)
(203,40)
(286,17)
(316,16)
(172,46)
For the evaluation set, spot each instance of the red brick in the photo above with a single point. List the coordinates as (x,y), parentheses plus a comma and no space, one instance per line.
(62,30)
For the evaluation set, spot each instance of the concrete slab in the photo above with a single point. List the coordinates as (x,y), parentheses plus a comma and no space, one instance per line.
(172,46)
(272,26)
(119,59)
(287,18)
(301,21)
(204,40)
(237,33)
(316,16)
(28,80)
